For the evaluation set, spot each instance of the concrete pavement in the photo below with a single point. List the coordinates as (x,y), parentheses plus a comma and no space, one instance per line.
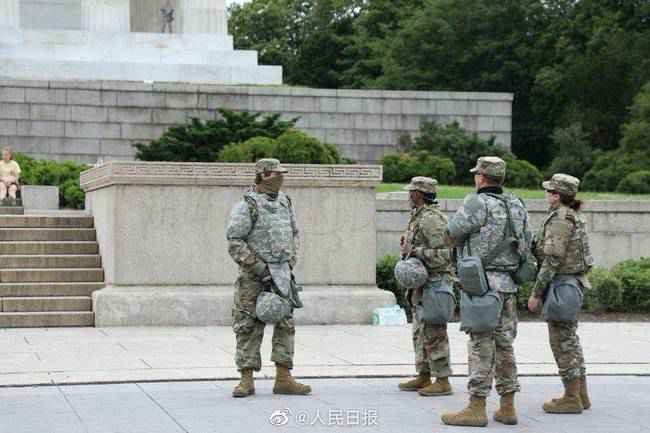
(46,356)
(337,405)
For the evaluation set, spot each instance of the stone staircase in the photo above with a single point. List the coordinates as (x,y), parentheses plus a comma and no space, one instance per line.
(49,267)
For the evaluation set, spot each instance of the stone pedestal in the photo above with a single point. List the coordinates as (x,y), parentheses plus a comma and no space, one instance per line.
(105,16)
(204,16)
(161,230)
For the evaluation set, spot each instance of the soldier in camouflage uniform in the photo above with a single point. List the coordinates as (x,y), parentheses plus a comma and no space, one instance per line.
(424,240)
(262,239)
(562,248)
(476,228)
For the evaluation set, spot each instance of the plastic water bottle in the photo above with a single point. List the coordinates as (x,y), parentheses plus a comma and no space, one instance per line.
(389,316)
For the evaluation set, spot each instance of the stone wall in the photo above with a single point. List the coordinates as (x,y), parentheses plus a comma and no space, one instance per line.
(618,230)
(89,120)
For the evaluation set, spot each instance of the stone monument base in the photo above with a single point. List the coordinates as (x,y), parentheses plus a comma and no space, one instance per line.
(212,305)
(81,55)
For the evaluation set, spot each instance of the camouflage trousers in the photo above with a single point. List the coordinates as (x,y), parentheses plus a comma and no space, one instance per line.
(567,350)
(431,346)
(249,331)
(492,356)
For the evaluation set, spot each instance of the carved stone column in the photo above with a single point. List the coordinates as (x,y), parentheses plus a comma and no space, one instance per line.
(10,14)
(106,16)
(204,16)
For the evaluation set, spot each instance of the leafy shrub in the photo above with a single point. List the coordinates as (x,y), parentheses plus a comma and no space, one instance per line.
(64,174)
(386,280)
(637,182)
(635,278)
(607,291)
(611,167)
(297,147)
(292,147)
(462,147)
(199,141)
(522,174)
(401,167)
(249,151)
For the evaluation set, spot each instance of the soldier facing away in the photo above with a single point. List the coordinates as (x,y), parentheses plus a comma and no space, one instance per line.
(476,229)
(424,239)
(562,248)
(262,239)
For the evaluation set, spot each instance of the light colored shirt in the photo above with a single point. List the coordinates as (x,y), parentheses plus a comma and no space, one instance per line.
(10,168)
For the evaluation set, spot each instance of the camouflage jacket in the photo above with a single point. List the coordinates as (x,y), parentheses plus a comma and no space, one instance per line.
(479,225)
(243,238)
(425,238)
(562,247)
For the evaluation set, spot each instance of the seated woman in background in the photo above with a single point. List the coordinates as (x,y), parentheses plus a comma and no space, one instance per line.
(9,174)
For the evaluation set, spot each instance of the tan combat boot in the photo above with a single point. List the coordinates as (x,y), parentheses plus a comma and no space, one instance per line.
(246,385)
(441,387)
(506,413)
(584,393)
(570,403)
(285,383)
(421,381)
(473,415)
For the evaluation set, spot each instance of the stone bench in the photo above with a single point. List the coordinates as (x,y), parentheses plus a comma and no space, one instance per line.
(40,196)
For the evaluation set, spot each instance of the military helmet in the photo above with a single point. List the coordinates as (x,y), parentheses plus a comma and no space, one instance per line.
(271,308)
(411,273)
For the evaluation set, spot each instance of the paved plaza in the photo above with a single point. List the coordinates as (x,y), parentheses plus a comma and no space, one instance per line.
(159,380)
(337,405)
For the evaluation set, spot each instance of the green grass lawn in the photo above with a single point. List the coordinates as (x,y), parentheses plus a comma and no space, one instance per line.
(461,191)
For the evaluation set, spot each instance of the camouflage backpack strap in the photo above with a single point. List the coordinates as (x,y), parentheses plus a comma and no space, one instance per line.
(510,238)
(251,200)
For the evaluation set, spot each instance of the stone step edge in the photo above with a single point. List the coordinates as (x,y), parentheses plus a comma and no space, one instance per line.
(41,256)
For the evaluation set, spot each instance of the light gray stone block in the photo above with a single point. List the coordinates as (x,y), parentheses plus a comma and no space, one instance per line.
(49,112)
(12,94)
(76,146)
(118,148)
(141,99)
(84,97)
(181,100)
(40,197)
(40,128)
(14,110)
(350,105)
(134,131)
(392,106)
(328,105)
(367,121)
(169,116)
(92,130)
(88,114)
(130,115)
(8,127)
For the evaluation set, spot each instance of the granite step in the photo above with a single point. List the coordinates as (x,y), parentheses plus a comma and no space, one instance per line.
(33,221)
(46,304)
(49,247)
(46,319)
(49,261)
(51,275)
(47,234)
(12,210)
(49,289)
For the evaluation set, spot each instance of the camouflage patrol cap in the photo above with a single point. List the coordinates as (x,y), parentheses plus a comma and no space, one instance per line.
(423,184)
(490,166)
(562,183)
(271,308)
(269,164)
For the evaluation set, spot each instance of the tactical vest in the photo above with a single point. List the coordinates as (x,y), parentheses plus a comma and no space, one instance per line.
(415,238)
(272,235)
(492,231)
(578,259)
